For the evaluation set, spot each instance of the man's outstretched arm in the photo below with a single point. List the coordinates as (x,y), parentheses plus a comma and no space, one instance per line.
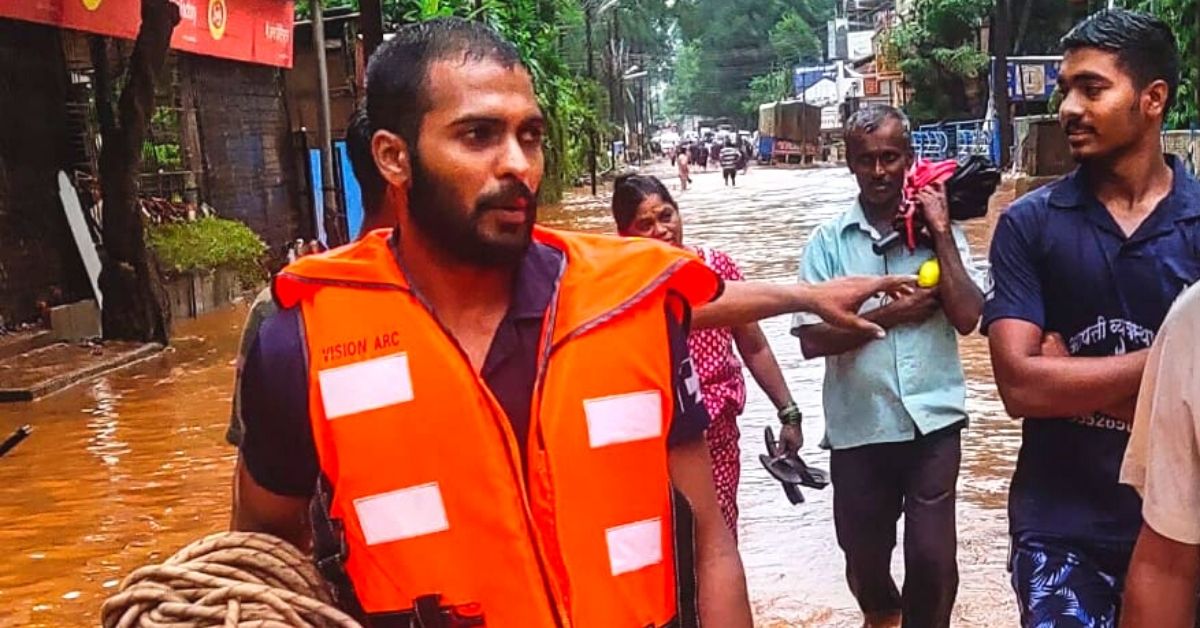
(837,302)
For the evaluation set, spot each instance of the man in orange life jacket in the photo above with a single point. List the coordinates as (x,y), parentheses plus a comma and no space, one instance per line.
(475,421)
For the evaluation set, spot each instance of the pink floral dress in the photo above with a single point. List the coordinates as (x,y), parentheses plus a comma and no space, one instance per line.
(724,390)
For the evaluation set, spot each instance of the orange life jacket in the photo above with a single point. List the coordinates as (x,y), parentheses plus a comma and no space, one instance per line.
(426,474)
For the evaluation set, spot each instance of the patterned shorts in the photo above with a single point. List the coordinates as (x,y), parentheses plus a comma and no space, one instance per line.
(1063,584)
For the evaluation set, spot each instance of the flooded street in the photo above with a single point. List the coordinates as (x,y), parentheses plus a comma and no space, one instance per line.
(124,470)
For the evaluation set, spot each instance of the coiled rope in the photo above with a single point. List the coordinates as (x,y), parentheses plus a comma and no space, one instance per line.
(228,580)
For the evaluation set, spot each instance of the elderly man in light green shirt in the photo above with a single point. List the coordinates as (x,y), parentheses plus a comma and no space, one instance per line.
(894,407)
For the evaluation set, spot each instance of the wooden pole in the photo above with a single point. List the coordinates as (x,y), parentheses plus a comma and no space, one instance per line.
(591,70)
(1000,49)
(333,228)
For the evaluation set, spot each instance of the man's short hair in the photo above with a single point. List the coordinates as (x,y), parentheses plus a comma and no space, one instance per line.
(362,162)
(1144,45)
(870,118)
(397,95)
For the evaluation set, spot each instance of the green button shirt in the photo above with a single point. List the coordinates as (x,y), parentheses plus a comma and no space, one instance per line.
(895,389)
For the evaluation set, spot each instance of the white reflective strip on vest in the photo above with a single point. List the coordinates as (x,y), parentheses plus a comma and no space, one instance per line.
(402,514)
(364,386)
(624,418)
(634,546)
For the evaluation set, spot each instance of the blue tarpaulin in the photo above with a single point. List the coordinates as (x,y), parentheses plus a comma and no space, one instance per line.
(351,192)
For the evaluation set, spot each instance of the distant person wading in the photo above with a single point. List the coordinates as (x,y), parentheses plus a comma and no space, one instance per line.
(731,160)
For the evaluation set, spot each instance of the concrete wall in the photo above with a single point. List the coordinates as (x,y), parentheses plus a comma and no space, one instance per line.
(1185,144)
(38,259)
(1042,149)
(250,171)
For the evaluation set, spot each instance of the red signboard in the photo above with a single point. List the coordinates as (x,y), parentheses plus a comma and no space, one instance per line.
(258,31)
(115,18)
(249,30)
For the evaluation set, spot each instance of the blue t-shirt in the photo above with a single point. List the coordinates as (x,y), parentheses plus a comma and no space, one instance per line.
(1061,262)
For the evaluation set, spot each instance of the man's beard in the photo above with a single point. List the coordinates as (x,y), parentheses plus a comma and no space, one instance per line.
(458,231)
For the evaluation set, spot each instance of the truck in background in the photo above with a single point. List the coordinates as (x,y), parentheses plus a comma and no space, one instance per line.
(789,132)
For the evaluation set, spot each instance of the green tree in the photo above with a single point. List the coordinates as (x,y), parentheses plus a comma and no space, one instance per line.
(938,48)
(795,39)
(737,42)
(765,88)
(688,82)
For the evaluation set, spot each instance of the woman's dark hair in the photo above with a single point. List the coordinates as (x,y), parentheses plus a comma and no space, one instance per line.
(1145,46)
(628,193)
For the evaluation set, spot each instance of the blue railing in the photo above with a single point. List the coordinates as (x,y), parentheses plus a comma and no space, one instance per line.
(953,139)
(931,144)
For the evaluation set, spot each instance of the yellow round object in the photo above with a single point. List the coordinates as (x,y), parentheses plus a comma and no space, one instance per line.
(929,274)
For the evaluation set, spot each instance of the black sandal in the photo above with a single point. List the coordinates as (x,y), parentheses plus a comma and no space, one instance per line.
(790,470)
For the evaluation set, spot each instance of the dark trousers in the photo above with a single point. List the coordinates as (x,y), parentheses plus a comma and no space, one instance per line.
(872,486)
(730,175)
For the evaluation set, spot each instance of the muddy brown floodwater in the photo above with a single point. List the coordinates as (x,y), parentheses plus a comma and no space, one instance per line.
(125,469)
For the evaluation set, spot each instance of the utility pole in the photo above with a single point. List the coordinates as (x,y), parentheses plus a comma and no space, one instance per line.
(591,72)
(331,220)
(1000,49)
(619,79)
(650,105)
(642,126)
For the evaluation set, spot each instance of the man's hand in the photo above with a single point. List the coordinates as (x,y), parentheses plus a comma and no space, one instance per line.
(838,301)
(934,207)
(912,308)
(791,438)
(1053,346)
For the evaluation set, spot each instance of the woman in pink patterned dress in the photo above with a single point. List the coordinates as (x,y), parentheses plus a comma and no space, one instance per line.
(643,207)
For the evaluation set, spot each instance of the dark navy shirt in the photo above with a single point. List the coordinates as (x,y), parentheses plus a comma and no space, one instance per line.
(1061,262)
(278,449)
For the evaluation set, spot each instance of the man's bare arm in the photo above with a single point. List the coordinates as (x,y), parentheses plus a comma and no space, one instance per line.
(721,580)
(256,509)
(837,302)
(1034,385)
(1160,591)
(824,340)
(962,300)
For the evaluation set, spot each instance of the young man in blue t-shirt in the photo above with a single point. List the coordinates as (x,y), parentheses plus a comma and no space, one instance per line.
(1085,271)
